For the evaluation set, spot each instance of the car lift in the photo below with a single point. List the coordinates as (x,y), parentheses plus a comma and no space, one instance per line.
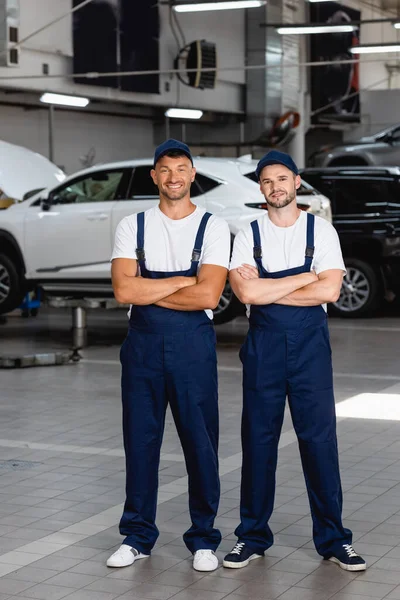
(79,335)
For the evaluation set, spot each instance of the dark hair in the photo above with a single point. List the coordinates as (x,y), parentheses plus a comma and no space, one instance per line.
(175,154)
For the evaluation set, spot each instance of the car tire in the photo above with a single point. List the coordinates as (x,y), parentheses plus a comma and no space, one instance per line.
(229,306)
(11,285)
(361,293)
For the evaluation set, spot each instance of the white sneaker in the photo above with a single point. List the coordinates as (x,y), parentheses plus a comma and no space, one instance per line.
(205,560)
(125,556)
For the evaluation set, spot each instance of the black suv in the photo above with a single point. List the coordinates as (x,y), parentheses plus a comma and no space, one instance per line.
(366,214)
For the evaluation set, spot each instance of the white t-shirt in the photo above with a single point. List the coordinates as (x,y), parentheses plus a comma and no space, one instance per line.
(284,247)
(169,243)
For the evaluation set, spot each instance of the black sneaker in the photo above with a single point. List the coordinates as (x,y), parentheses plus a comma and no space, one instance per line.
(348,559)
(240,556)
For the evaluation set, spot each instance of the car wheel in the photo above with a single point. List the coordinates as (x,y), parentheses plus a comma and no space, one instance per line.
(361,292)
(11,289)
(228,307)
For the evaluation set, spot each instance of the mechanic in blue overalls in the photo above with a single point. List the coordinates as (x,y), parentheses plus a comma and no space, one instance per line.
(170,263)
(286,266)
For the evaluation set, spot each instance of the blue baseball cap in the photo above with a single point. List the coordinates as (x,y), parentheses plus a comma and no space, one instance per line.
(169,146)
(274,157)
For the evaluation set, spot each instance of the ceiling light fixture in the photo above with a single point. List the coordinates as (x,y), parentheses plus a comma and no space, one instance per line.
(296,30)
(206,6)
(62,100)
(375,48)
(183,113)
(396,25)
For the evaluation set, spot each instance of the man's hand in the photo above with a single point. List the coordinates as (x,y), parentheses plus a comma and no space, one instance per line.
(203,292)
(325,288)
(248,272)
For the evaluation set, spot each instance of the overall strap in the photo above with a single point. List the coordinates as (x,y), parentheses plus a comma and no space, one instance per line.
(198,244)
(140,240)
(310,241)
(257,251)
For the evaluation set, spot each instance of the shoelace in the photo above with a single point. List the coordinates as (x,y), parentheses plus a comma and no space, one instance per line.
(238,548)
(204,552)
(350,551)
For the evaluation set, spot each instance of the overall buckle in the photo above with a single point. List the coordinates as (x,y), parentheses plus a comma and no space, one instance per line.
(140,253)
(257,252)
(310,252)
(196,255)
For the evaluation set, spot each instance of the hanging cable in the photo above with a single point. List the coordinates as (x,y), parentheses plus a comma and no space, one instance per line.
(96,75)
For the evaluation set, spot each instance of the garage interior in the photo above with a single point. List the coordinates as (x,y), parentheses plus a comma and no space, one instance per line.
(331,100)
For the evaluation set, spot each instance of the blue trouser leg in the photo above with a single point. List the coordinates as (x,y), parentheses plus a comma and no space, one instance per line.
(264,396)
(192,389)
(144,405)
(312,406)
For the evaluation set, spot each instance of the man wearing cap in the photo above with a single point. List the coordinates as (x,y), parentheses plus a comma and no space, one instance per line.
(286,266)
(170,263)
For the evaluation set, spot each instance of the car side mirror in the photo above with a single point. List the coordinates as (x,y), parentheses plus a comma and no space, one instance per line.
(47,202)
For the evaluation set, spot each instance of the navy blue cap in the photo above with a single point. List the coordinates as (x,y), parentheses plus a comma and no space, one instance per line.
(171,145)
(274,157)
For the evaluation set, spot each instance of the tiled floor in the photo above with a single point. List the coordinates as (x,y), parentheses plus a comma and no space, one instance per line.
(62,476)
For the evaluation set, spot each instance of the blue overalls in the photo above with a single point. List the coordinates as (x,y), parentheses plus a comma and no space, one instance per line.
(287,353)
(170,356)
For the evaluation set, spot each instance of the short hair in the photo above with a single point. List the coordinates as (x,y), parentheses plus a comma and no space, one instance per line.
(175,154)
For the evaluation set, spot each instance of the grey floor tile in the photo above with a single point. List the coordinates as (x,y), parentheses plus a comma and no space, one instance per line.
(375,590)
(91,595)
(196,595)
(215,584)
(152,591)
(42,591)
(72,580)
(297,593)
(268,590)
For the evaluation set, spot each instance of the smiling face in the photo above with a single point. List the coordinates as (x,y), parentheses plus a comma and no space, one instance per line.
(173,175)
(278,184)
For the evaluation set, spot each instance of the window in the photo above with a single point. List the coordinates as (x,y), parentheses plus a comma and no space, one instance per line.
(206,184)
(359,196)
(101,186)
(395,135)
(252,175)
(142,185)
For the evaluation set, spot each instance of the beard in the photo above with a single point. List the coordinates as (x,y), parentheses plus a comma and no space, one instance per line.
(281,202)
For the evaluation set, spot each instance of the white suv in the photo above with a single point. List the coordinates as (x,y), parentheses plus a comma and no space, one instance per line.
(61,238)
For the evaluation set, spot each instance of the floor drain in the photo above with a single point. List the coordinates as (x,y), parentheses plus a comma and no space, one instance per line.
(17,465)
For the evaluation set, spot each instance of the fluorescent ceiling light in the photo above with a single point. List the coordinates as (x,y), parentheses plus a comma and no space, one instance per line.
(319,0)
(205,6)
(183,113)
(375,48)
(61,100)
(396,25)
(295,30)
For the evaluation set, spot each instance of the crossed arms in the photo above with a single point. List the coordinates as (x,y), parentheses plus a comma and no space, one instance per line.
(179,293)
(306,289)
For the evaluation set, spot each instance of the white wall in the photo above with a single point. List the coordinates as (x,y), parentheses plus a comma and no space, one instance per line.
(54,46)
(113,138)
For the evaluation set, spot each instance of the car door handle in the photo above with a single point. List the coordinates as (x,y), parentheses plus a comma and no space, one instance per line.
(97,217)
